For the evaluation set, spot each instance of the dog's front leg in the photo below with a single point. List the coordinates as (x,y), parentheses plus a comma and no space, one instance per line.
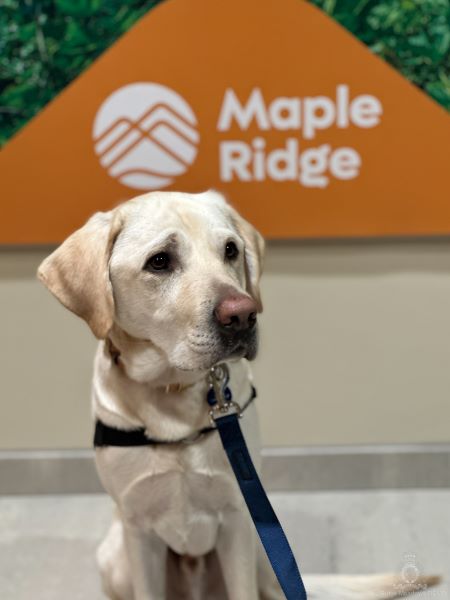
(236,549)
(147,555)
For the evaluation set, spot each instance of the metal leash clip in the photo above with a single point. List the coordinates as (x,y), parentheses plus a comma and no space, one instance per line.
(219,395)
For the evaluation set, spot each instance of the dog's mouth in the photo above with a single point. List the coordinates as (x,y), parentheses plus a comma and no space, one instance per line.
(209,351)
(244,345)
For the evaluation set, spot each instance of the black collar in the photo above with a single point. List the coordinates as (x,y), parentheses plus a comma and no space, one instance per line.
(111,436)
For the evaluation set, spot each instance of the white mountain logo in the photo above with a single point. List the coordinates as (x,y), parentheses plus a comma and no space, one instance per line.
(145,135)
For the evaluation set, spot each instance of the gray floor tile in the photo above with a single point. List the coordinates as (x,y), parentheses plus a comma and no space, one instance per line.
(47,543)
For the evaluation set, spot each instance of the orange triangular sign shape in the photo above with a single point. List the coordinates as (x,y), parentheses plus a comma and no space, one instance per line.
(272,102)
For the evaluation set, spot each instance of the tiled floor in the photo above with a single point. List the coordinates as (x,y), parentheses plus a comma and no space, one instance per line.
(47,543)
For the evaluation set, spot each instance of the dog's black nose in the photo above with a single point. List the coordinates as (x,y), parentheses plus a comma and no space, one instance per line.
(236,313)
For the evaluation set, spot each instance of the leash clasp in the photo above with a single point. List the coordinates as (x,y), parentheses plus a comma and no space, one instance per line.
(219,395)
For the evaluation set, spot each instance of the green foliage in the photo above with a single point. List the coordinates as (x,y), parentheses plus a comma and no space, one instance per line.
(45,44)
(412,35)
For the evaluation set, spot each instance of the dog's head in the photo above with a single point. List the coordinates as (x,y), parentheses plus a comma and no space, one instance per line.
(180,270)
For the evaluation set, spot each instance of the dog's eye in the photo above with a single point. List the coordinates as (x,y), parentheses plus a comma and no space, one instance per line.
(158,262)
(231,251)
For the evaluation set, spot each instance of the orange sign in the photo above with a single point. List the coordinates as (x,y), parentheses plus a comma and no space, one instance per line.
(271,102)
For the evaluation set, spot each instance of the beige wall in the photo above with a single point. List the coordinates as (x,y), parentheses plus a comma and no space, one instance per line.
(355,348)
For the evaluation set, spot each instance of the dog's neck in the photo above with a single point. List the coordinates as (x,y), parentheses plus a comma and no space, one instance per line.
(142,361)
(134,387)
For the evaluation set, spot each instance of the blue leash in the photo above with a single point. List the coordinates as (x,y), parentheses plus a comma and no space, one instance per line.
(225,414)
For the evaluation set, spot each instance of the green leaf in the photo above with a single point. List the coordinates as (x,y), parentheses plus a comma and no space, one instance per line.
(79,8)
(440,93)
(74,35)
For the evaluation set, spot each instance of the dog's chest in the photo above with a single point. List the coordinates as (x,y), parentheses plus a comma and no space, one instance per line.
(182,494)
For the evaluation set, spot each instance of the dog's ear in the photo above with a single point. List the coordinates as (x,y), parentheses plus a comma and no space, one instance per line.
(254,255)
(77,272)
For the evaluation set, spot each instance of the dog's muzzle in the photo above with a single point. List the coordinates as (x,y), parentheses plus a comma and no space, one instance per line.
(236,320)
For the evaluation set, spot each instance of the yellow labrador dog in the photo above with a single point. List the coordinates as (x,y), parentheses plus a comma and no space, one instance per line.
(168,282)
